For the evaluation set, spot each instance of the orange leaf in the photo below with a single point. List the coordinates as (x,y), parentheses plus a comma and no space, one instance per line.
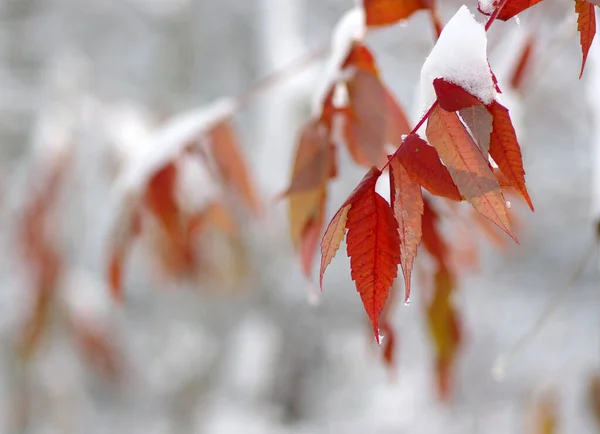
(386,12)
(313,167)
(310,238)
(423,165)
(314,159)
(479,121)
(444,328)
(594,397)
(586,24)
(360,57)
(452,97)
(230,161)
(366,119)
(505,150)
(468,167)
(334,234)
(407,202)
(373,246)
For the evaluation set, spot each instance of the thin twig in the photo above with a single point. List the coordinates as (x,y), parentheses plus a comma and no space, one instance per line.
(499,367)
(280,75)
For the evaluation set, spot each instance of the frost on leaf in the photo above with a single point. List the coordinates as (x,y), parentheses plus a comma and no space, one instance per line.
(386,12)
(459,57)
(586,25)
(407,202)
(468,167)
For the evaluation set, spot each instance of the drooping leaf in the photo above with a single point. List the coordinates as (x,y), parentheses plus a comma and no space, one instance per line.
(366,120)
(479,121)
(423,165)
(312,168)
(452,97)
(468,167)
(310,238)
(407,202)
(373,246)
(314,159)
(505,149)
(444,327)
(334,234)
(586,25)
(523,65)
(545,415)
(386,12)
(232,167)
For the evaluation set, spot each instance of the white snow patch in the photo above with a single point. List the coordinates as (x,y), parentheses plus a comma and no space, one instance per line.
(351,27)
(460,57)
(167,142)
(487,6)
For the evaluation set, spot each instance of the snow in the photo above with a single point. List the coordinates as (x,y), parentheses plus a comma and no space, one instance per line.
(487,6)
(460,57)
(351,27)
(166,143)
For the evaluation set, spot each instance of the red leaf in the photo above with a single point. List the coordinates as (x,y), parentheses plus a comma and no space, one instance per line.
(586,24)
(468,167)
(505,150)
(230,161)
(373,247)
(386,12)
(160,198)
(513,7)
(452,97)
(397,123)
(407,202)
(423,165)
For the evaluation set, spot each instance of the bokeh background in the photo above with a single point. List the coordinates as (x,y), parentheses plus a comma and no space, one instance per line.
(90,80)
